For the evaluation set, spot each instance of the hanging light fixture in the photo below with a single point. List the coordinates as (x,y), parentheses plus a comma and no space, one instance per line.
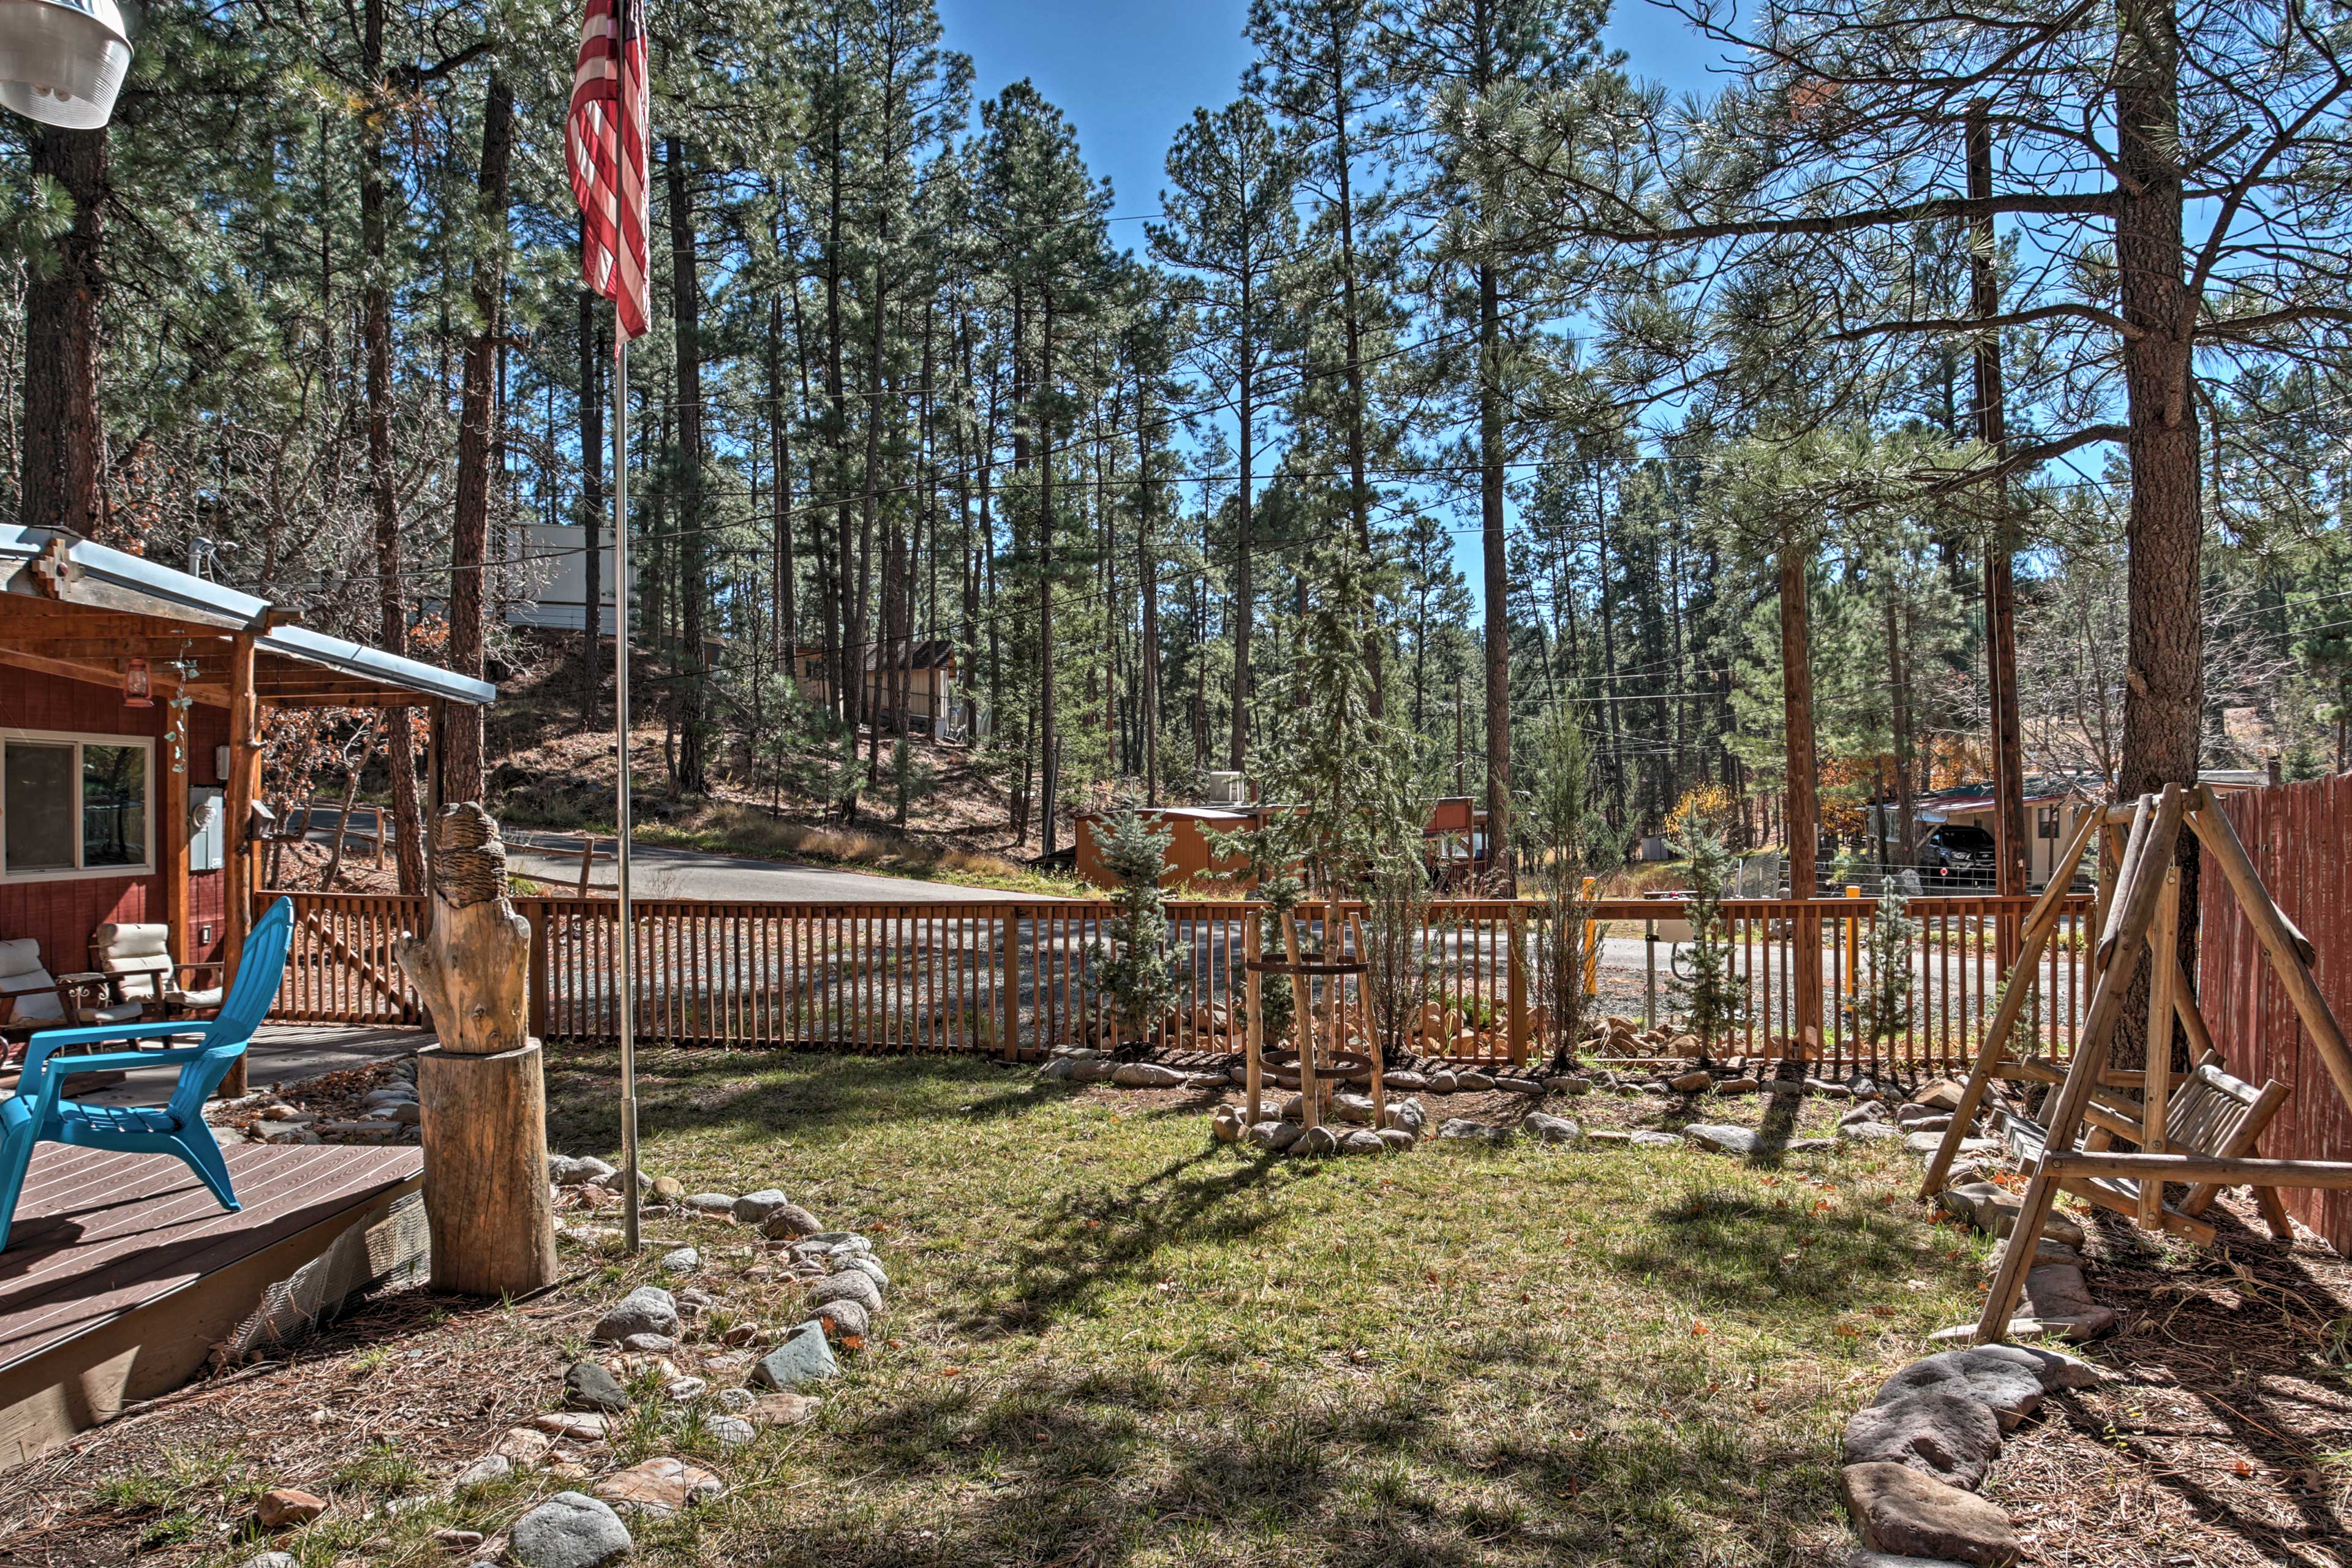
(62,61)
(138,691)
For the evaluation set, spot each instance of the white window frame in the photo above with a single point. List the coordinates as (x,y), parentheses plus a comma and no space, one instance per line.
(77,740)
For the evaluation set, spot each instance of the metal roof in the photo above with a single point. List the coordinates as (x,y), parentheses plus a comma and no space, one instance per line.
(99,578)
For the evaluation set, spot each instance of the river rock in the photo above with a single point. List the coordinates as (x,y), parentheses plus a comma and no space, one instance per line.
(1697,1081)
(1723,1138)
(1473,1080)
(1549,1129)
(647,1309)
(716,1204)
(282,1506)
(1146,1075)
(1316,1142)
(1354,1108)
(570,1529)
(844,1320)
(1410,1082)
(1396,1138)
(1949,1437)
(1994,1211)
(1897,1509)
(681,1261)
(1943,1095)
(786,1221)
(1361,1141)
(1868,1133)
(2057,1295)
(588,1387)
(754,1208)
(780,1409)
(1274,1137)
(1227,1124)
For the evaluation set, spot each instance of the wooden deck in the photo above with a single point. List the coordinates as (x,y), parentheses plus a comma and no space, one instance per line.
(123,1272)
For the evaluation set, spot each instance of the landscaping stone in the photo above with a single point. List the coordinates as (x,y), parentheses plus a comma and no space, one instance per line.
(2057,1295)
(684,1390)
(1472,1079)
(722,1205)
(1864,1557)
(1396,1138)
(803,1358)
(1525,1085)
(571,1426)
(681,1261)
(1693,1082)
(1227,1124)
(1410,1082)
(1206,1080)
(649,1344)
(2048,1249)
(845,1321)
(271,1560)
(1059,1068)
(848,1286)
(282,1506)
(1646,1138)
(1723,1138)
(1739,1086)
(1092,1071)
(1361,1141)
(1409,1114)
(1897,1509)
(1611,1135)
(1868,1131)
(1274,1136)
(1551,1128)
(647,1309)
(1944,1094)
(520,1447)
(1146,1075)
(1870,1110)
(1565,1084)
(788,1220)
(754,1208)
(1933,1124)
(780,1409)
(1949,1437)
(457,1541)
(1994,1211)
(1353,1108)
(668,1189)
(2011,1390)
(660,1488)
(865,1265)
(570,1529)
(588,1387)
(1443,1081)
(2055,1369)
(1317,1140)
(1829,1091)
(733,1431)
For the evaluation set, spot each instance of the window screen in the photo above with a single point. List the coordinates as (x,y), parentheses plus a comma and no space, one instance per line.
(113,805)
(38,806)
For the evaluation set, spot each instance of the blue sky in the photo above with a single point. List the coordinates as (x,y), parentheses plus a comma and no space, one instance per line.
(1129,73)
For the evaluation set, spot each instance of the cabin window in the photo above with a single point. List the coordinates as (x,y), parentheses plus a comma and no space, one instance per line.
(74,805)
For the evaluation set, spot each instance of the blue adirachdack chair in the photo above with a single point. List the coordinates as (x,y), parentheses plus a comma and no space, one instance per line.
(38,1115)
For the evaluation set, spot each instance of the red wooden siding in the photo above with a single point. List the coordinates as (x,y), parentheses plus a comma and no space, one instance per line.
(2300,837)
(62,914)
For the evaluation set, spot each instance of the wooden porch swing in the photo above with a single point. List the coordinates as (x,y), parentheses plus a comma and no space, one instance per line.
(2202,1132)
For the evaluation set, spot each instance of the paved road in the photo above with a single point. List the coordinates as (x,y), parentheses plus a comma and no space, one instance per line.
(658,872)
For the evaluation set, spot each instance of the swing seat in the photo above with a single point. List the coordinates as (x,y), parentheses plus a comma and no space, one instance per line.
(2210,1112)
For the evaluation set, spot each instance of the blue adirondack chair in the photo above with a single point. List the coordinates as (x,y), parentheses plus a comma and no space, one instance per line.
(38,1114)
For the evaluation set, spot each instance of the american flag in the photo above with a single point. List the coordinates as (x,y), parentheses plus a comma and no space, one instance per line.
(604,143)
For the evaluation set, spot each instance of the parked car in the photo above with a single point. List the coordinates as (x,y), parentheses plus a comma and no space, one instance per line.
(1956,852)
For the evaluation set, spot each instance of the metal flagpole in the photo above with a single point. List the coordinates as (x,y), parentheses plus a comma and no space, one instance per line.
(629,1194)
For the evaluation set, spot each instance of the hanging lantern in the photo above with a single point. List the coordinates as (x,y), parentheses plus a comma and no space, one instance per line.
(62,61)
(138,692)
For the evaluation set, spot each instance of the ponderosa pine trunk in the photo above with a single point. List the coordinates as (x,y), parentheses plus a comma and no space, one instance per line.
(477,415)
(64,443)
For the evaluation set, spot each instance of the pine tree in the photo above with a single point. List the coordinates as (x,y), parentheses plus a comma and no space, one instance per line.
(1134,969)
(1712,998)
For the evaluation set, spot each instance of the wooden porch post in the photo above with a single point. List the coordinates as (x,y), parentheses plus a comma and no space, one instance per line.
(244,787)
(171,837)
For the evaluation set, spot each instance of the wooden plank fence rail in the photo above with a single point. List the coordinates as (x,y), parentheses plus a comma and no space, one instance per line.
(1012,979)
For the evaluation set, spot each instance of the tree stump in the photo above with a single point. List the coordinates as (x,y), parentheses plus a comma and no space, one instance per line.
(481,1091)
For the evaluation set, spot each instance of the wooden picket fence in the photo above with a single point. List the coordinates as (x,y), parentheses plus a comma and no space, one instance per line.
(1011,978)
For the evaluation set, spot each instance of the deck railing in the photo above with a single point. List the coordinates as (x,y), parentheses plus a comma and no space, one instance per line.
(1012,979)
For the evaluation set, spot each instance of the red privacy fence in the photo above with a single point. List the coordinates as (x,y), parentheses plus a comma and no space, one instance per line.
(2300,837)
(1011,978)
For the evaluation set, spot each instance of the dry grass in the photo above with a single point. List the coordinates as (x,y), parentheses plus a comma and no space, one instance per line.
(1112,1341)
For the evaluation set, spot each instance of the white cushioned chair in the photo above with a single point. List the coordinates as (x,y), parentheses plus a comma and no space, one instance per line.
(33,998)
(137,963)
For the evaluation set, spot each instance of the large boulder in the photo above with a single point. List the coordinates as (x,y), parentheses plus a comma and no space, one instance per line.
(1896,1509)
(647,1309)
(1949,1437)
(570,1529)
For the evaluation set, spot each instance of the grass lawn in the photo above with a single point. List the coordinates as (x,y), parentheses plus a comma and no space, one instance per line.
(1111,1340)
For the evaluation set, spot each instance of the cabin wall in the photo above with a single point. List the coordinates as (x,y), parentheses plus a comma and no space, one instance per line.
(62,915)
